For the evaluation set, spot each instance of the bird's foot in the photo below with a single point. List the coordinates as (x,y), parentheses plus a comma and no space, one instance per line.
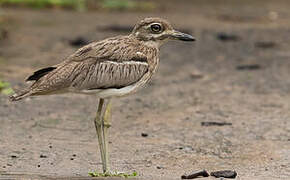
(113,174)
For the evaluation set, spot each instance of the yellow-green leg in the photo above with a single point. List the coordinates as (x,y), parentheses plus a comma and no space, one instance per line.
(106,126)
(102,123)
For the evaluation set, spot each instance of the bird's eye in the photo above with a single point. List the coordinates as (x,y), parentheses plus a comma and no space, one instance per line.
(156,28)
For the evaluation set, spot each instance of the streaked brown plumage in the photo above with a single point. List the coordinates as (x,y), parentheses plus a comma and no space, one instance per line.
(111,63)
(112,67)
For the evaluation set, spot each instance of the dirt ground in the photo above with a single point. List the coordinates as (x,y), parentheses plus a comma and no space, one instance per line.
(236,72)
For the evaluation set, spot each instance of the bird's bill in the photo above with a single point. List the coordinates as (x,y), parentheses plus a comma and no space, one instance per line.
(182,36)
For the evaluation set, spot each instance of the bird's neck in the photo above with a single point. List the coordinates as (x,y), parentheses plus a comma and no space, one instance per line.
(152,44)
(147,42)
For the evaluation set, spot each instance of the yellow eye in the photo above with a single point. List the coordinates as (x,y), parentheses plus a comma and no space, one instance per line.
(156,28)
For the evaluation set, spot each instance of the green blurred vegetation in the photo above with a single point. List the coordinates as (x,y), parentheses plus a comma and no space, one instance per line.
(71,4)
(5,88)
(127,5)
(83,5)
(113,174)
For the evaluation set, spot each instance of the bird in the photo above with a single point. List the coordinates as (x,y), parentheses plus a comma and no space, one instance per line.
(110,68)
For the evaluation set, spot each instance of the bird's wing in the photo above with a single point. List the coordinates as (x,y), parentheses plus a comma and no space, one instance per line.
(107,74)
(91,69)
(89,74)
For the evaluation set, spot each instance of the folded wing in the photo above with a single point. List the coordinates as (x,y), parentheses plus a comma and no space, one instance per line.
(89,75)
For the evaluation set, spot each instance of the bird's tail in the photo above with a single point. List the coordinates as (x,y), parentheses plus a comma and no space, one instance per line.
(20,95)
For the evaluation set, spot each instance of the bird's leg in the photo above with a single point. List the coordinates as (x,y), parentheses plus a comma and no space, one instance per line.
(98,124)
(102,123)
(106,126)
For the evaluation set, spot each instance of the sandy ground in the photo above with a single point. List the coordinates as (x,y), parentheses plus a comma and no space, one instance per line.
(237,72)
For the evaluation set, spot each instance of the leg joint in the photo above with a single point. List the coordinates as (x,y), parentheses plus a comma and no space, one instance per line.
(107,124)
(98,122)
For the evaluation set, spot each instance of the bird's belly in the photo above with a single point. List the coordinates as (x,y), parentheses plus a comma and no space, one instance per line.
(111,92)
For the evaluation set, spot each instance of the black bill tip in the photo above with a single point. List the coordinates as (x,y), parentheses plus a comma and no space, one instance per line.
(182,36)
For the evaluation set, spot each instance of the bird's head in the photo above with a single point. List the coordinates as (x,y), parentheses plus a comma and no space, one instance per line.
(156,31)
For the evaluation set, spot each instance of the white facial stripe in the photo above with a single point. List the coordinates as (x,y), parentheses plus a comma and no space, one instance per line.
(156,23)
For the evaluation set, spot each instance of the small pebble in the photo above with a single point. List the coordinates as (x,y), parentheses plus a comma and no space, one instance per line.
(144,134)
(13,156)
(225,174)
(42,156)
(211,123)
(194,175)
